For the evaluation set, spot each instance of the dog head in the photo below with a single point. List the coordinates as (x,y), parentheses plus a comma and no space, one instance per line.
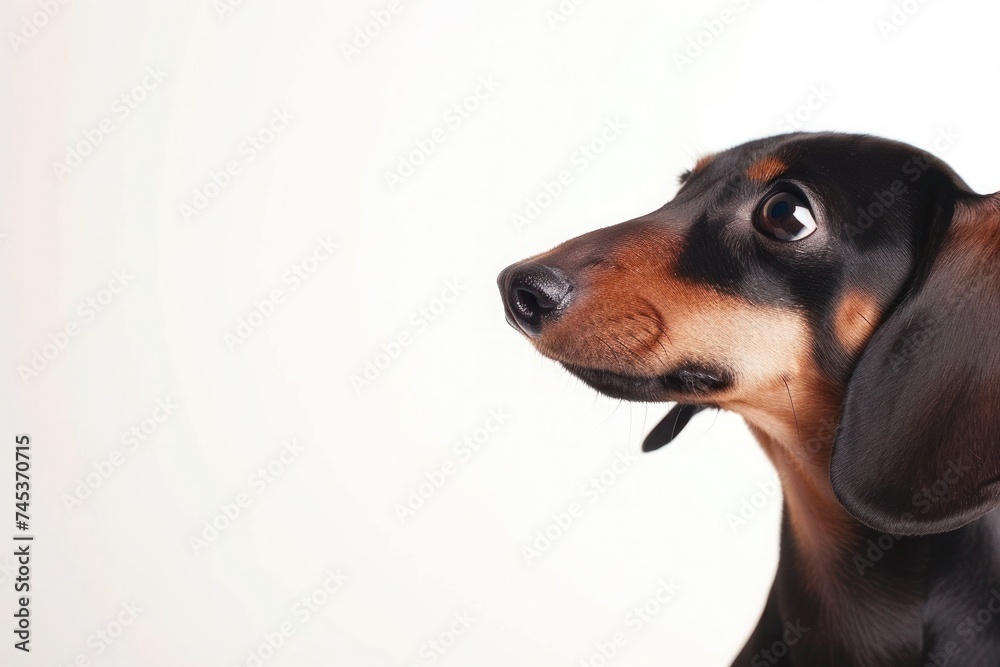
(793,272)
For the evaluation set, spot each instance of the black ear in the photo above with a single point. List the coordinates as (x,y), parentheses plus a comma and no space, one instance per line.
(918,446)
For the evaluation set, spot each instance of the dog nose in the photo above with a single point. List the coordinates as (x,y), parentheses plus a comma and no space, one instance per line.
(533,294)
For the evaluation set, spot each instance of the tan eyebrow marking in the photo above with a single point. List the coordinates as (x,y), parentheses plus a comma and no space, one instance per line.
(766,169)
(703,162)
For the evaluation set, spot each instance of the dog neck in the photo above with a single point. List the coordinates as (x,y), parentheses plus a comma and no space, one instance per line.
(796,430)
(827,572)
(822,546)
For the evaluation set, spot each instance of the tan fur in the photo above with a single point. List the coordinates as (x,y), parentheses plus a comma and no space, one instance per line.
(702,163)
(766,169)
(633,315)
(659,321)
(855,320)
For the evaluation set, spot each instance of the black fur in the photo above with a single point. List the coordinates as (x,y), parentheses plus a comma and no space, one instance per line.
(916,454)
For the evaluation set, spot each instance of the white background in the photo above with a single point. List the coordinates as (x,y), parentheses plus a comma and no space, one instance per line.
(323,175)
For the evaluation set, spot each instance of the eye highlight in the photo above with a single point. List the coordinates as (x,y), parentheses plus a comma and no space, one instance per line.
(785,217)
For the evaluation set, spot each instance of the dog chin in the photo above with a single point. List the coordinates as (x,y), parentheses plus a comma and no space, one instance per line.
(686,383)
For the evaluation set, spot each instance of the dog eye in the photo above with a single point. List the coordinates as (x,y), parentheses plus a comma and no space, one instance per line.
(785,217)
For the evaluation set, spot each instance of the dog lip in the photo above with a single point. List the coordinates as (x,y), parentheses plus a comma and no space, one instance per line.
(689,380)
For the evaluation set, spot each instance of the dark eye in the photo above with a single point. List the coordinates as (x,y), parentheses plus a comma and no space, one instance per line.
(785,217)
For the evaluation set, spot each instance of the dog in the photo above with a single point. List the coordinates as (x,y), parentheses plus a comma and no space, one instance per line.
(842,294)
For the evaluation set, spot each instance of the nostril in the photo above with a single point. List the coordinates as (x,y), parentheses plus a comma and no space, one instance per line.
(534,293)
(529,306)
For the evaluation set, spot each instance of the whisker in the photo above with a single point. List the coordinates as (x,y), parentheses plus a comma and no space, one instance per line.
(614,353)
(625,347)
(798,434)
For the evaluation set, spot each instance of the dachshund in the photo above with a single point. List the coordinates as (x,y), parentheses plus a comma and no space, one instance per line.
(841,293)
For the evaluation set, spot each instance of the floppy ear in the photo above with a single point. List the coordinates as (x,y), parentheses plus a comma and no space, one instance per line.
(918,445)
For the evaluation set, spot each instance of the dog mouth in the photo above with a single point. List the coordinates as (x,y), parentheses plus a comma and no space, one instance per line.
(687,383)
